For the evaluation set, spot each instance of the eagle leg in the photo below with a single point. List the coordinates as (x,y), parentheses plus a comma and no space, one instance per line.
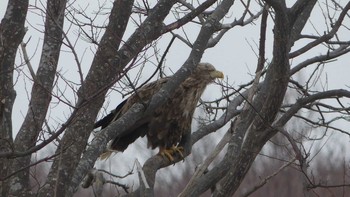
(169,152)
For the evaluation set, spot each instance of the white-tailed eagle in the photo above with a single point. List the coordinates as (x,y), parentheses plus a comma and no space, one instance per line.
(170,124)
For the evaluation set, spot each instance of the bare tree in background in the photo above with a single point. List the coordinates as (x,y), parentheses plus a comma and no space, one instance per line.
(255,111)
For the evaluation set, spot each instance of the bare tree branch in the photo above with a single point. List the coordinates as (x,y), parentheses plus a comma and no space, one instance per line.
(325,37)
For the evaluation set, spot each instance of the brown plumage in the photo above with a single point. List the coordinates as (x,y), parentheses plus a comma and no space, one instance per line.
(170,122)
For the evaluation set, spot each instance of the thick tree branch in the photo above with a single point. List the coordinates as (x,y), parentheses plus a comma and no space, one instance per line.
(12,31)
(266,103)
(41,93)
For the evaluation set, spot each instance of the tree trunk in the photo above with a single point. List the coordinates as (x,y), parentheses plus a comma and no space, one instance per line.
(40,97)
(11,34)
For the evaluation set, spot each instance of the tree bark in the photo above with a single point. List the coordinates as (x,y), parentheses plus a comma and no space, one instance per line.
(40,96)
(12,31)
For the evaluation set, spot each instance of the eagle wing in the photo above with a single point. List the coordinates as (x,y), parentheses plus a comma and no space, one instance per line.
(140,129)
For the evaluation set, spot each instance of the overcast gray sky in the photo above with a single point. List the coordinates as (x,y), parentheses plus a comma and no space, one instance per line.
(234,55)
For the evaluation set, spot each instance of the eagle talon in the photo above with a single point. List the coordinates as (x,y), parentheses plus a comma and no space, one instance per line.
(179,150)
(168,153)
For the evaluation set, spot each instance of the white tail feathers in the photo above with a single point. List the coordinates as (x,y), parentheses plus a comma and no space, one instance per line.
(106,154)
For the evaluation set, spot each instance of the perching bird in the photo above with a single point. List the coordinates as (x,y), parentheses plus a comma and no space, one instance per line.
(169,126)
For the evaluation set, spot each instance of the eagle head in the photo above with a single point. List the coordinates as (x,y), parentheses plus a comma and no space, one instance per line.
(207,72)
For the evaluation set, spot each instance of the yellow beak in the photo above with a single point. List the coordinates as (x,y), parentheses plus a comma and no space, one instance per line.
(217,74)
